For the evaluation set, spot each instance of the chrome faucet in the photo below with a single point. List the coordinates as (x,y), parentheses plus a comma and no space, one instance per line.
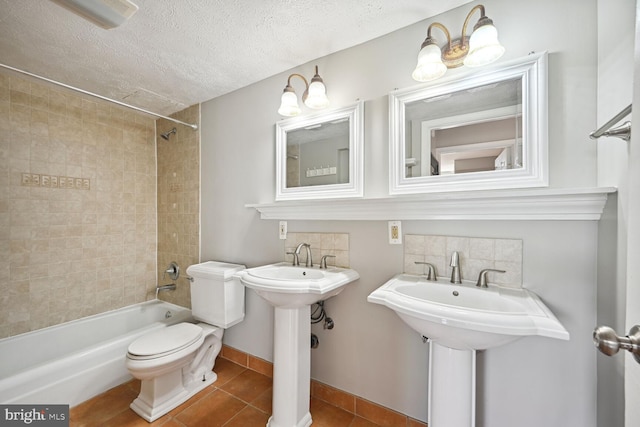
(455,268)
(309,260)
(323,261)
(431,271)
(169,287)
(482,277)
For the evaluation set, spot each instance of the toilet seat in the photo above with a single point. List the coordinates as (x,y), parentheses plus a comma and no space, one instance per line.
(166,341)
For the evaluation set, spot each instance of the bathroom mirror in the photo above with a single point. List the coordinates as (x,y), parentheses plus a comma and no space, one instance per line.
(321,156)
(487,130)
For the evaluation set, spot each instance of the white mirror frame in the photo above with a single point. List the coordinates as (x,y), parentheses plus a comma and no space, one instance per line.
(534,171)
(355,186)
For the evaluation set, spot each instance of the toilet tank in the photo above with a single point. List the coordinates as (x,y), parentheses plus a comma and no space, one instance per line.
(217,298)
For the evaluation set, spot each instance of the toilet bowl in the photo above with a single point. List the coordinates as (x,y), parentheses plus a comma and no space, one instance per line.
(176,362)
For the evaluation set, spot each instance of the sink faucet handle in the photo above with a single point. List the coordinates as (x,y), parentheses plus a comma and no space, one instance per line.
(431,271)
(323,261)
(295,258)
(482,277)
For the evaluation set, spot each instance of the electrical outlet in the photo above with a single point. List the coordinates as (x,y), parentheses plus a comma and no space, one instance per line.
(395,233)
(283,230)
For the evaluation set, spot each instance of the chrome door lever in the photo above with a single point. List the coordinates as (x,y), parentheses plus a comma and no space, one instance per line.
(609,343)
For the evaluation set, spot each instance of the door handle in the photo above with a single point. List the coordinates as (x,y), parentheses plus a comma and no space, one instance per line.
(609,343)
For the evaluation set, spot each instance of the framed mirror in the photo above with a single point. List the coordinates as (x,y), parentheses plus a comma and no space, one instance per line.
(484,131)
(321,156)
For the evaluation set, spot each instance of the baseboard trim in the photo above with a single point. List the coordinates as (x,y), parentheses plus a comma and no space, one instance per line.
(349,402)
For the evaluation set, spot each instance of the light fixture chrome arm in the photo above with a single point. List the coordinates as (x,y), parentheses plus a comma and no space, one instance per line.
(482,21)
(306,85)
(430,39)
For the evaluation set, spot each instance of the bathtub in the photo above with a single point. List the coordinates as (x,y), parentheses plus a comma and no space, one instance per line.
(72,362)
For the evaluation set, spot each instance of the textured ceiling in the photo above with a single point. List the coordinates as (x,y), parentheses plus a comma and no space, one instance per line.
(172,54)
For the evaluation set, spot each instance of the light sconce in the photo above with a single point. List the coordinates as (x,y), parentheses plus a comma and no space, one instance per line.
(314,96)
(480,49)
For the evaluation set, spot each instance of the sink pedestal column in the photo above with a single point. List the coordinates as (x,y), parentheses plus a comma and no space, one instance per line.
(452,387)
(291,367)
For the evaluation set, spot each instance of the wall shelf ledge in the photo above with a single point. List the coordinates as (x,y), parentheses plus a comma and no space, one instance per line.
(547,204)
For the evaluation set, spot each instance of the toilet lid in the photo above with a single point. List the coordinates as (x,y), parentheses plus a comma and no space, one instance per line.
(166,340)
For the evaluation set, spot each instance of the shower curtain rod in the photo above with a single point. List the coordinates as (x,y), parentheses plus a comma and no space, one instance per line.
(192,126)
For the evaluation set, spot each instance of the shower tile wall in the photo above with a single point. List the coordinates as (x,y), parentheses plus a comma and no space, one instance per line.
(87,246)
(178,201)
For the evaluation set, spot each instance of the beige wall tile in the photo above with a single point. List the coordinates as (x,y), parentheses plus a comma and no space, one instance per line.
(177,204)
(476,254)
(335,244)
(63,244)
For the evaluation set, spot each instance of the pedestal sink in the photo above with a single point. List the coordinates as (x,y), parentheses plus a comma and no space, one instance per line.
(459,320)
(292,290)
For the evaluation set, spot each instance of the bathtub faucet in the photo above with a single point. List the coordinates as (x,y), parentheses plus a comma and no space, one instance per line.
(169,287)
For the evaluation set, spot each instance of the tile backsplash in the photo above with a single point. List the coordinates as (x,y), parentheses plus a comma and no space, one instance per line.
(475,254)
(336,244)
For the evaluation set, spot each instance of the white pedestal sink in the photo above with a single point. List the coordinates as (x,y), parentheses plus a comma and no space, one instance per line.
(458,320)
(292,290)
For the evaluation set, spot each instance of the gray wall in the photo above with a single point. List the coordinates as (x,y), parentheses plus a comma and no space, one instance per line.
(616,19)
(371,353)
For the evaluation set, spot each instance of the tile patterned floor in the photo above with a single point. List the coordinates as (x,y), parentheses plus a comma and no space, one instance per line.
(239,398)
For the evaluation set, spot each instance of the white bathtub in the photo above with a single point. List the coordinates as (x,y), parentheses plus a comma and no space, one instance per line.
(72,362)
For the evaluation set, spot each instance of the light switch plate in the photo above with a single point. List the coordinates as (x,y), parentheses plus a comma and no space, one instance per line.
(283,230)
(395,233)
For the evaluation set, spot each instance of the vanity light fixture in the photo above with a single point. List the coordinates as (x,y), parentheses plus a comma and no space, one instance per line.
(480,49)
(314,96)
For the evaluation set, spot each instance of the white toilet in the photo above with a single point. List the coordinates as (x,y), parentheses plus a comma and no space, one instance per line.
(176,362)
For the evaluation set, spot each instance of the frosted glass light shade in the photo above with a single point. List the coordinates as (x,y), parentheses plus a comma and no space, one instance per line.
(317,96)
(484,47)
(430,65)
(289,104)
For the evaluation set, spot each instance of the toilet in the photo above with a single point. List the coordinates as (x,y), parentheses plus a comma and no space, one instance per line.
(176,362)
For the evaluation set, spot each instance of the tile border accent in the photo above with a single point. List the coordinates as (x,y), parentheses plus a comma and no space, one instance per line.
(349,402)
(55,181)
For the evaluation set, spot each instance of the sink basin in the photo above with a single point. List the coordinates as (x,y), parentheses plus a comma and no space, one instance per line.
(288,286)
(464,316)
